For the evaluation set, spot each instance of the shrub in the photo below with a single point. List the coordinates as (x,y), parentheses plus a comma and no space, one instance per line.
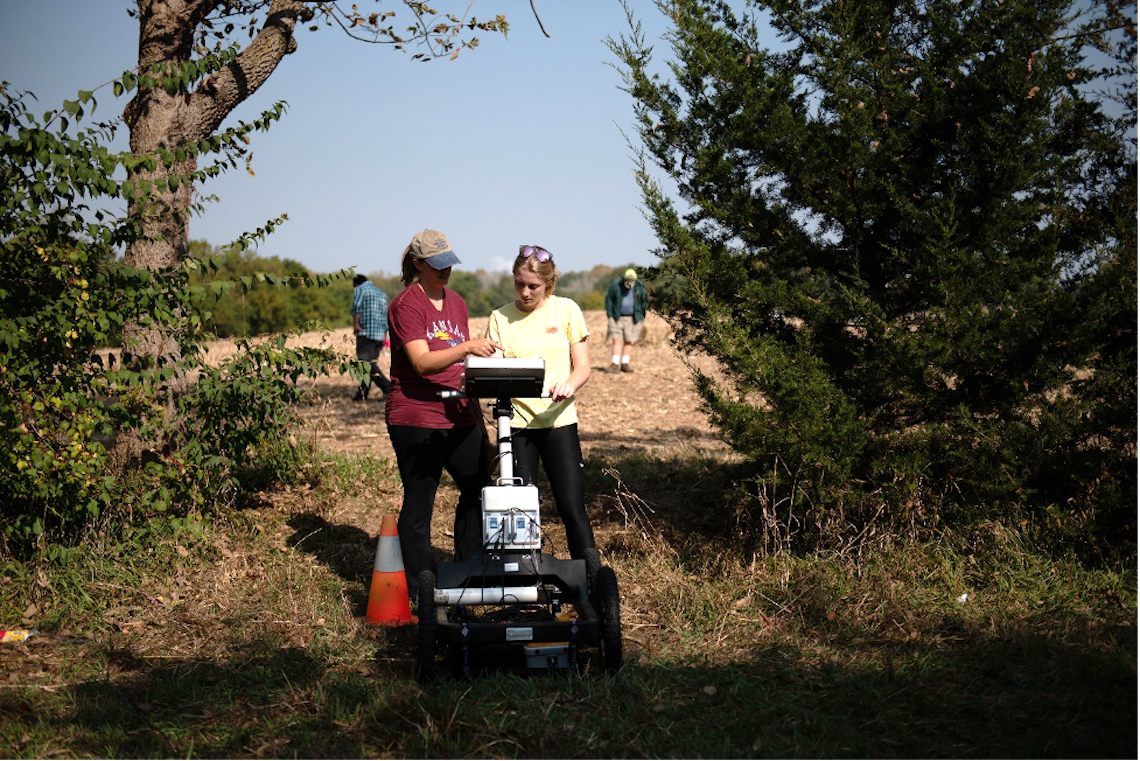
(68,407)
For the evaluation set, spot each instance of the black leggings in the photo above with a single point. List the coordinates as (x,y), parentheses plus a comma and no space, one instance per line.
(421,456)
(561,455)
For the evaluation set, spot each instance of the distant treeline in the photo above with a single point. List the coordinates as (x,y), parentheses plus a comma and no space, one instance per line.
(274,309)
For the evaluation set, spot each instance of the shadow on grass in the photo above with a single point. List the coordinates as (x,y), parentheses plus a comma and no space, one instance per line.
(671,487)
(830,689)
(984,697)
(611,445)
(270,702)
(346,550)
(680,498)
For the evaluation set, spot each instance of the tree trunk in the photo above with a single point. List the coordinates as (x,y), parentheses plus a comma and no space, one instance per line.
(159,120)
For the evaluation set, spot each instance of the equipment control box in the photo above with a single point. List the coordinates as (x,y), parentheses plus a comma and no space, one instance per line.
(510,517)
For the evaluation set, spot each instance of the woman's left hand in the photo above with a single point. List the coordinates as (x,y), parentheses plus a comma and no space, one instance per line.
(561,391)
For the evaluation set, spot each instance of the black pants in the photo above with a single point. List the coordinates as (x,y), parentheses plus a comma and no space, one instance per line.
(561,455)
(421,456)
(368,350)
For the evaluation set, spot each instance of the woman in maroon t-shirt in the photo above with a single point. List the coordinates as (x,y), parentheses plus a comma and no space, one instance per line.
(427,325)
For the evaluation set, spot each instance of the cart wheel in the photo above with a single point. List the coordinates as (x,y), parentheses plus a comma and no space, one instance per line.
(425,643)
(593,564)
(608,603)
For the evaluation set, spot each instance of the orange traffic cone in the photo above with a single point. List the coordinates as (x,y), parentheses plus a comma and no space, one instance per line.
(388,602)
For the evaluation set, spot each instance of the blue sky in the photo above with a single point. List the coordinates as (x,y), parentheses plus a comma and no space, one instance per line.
(518,141)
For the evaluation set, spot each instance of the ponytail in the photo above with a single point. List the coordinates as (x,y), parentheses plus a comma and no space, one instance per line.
(408,272)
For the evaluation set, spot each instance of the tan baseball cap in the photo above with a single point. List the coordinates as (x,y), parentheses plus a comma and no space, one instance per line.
(433,247)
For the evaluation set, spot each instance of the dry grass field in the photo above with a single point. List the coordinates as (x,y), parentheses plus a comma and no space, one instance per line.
(650,415)
(244,635)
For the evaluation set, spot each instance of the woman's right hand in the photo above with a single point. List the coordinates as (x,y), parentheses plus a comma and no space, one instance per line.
(482,347)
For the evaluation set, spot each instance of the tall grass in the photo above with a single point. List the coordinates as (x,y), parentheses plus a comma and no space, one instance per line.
(243,638)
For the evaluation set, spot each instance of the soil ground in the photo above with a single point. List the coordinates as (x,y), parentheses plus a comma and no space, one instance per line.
(654,410)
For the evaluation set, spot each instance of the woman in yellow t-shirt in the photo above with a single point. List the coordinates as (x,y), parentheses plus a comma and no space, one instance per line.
(540,324)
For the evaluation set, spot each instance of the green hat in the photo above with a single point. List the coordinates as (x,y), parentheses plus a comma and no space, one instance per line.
(629,274)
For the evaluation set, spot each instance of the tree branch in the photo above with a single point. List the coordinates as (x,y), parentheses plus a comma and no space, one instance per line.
(220,93)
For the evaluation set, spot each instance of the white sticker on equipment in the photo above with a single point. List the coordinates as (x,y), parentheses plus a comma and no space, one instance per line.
(519,634)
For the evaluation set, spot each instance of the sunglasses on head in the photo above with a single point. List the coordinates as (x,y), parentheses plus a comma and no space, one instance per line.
(538,252)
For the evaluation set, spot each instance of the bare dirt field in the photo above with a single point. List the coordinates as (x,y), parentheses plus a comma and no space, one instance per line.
(653,407)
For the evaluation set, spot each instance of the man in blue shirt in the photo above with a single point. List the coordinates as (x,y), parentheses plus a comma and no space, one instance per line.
(370,325)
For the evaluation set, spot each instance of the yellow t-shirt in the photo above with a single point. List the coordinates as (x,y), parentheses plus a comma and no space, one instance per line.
(548,332)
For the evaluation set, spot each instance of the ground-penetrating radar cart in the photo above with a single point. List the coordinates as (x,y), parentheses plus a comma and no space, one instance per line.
(514,606)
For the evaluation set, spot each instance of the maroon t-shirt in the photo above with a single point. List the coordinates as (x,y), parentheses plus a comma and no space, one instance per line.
(414,398)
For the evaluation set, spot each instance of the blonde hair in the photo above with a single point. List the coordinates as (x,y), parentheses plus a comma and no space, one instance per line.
(546,271)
